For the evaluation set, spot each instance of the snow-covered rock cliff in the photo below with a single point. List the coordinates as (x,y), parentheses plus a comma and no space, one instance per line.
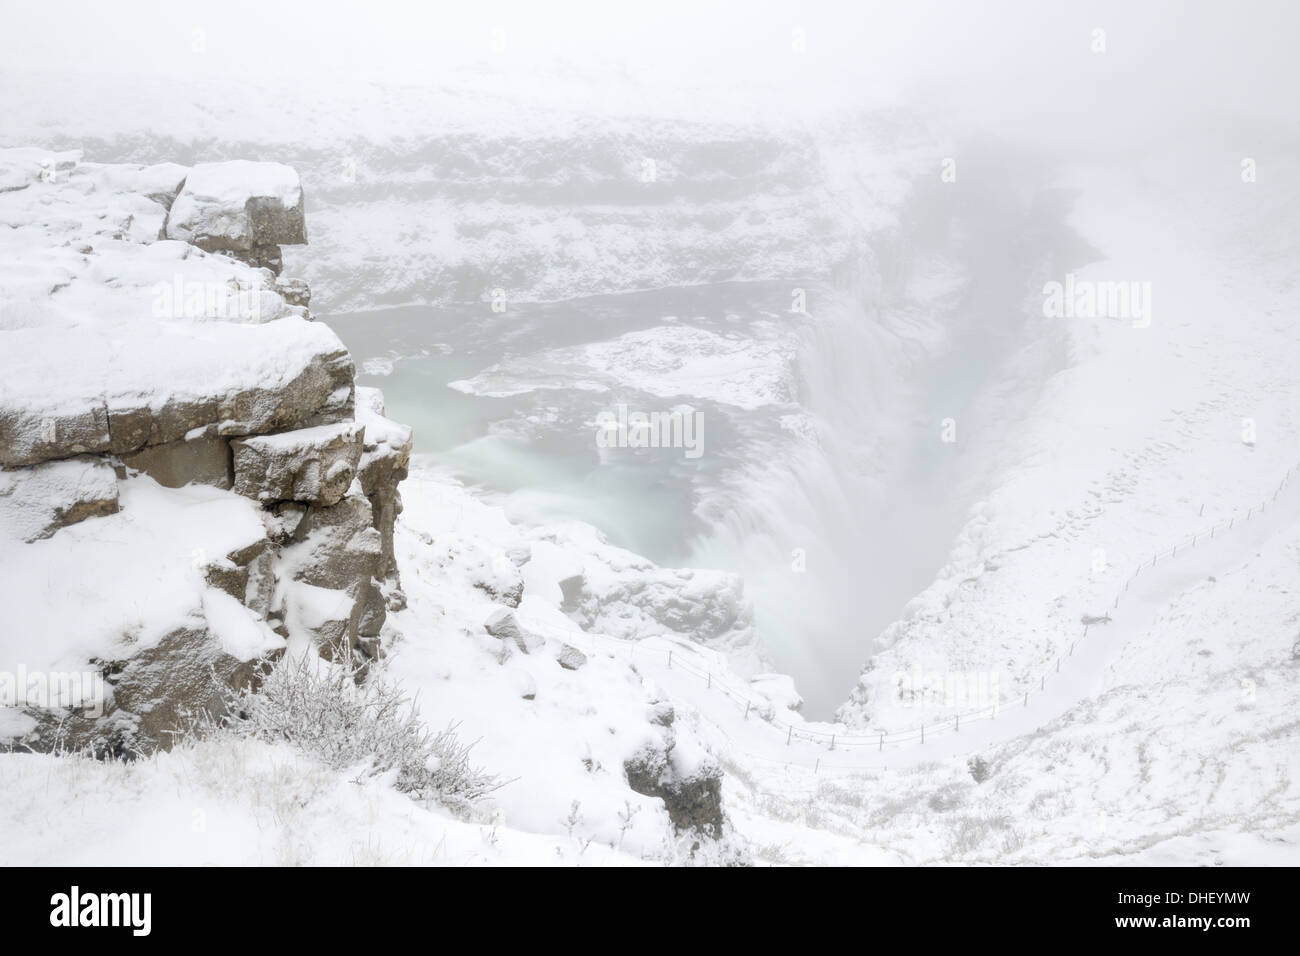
(188,481)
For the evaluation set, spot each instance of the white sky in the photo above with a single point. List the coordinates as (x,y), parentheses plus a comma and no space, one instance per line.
(1024,63)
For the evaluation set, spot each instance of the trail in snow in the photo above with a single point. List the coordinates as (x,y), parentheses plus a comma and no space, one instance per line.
(687,672)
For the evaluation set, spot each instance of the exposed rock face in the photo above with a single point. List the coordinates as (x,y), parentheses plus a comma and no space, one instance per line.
(203,458)
(184,676)
(336,547)
(151,695)
(384,463)
(328,577)
(157,375)
(315,465)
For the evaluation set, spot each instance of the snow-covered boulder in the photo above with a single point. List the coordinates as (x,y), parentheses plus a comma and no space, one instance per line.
(504,626)
(569,657)
(686,778)
(315,465)
(244,208)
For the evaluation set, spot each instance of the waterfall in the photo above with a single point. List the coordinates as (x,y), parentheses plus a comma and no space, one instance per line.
(803,524)
(855,513)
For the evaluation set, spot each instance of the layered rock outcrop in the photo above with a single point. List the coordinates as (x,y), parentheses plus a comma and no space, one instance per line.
(169,406)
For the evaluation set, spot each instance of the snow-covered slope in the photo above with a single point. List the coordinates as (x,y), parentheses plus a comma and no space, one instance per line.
(1152,432)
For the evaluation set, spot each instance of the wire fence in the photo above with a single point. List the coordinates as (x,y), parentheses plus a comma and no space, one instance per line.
(758,708)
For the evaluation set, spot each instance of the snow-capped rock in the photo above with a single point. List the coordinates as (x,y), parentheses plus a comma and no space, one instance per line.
(503,625)
(245,208)
(688,780)
(118,390)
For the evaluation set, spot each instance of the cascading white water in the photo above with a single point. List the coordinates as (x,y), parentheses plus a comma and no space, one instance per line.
(838,530)
(809,526)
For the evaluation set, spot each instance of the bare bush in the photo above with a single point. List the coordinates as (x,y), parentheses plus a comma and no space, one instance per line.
(329,714)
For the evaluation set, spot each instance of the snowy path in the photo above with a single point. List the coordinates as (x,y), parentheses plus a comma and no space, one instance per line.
(685,671)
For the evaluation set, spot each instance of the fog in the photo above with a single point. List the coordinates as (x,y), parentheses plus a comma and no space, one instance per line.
(1022,67)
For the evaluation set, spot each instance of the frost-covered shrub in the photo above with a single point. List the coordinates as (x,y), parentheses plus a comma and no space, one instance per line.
(992,834)
(327,712)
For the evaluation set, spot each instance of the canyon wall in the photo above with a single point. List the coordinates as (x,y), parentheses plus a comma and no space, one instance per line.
(434,195)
